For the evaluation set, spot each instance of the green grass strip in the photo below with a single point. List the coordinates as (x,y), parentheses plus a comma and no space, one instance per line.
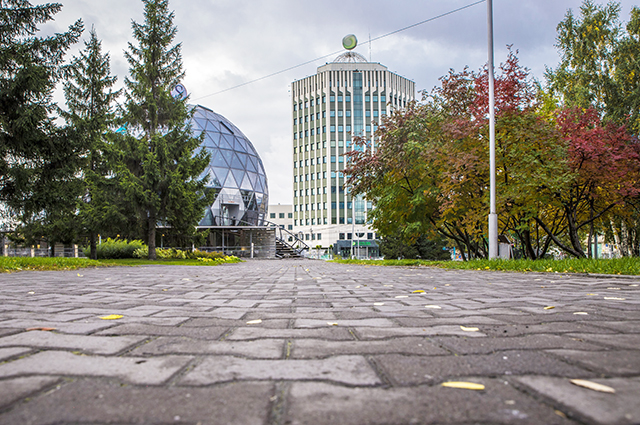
(15,264)
(621,266)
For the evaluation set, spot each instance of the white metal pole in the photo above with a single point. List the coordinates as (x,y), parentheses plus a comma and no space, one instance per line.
(493,217)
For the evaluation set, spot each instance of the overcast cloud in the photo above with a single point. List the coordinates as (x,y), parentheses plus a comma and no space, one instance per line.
(229,42)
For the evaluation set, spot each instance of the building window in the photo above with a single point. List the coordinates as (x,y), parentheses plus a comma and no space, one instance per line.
(348,98)
(375,113)
(289,227)
(324,98)
(348,113)
(348,128)
(281,215)
(375,98)
(349,236)
(312,131)
(369,235)
(341,236)
(319,235)
(272,215)
(332,113)
(340,113)
(340,129)
(295,136)
(289,215)
(368,129)
(341,159)
(332,128)
(333,159)
(339,98)
(367,113)
(383,98)
(332,98)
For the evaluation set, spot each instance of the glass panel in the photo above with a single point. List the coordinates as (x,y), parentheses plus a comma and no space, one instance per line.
(216,158)
(246,184)
(224,142)
(221,173)
(214,181)
(235,162)
(230,182)
(251,164)
(239,175)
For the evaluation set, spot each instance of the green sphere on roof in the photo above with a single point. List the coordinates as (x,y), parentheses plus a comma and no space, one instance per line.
(349,42)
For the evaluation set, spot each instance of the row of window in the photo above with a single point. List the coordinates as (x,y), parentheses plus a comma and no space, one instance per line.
(317,176)
(349,236)
(332,98)
(280,215)
(334,220)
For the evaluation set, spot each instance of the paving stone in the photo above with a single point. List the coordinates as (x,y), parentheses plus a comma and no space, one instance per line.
(598,407)
(331,333)
(320,403)
(63,327)
(382,333)
(267,322)
(610,362)
(7,353)
(318,348)
(352,370)
(84,343)
(631,341)
(414,370)
(137,370)
(148,330)
(97,402)
(315,323)
(529,342)
(12,390)
(264,349)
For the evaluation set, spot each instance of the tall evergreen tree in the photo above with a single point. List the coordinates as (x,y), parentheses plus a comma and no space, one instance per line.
(37,162)
(160,167)
(90,117)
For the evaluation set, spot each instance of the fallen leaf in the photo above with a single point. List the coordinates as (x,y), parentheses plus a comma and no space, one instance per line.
(165,289)
(549,307)
(614,298)
(559,413)
(388,285)
(332,323)
(446,284)
(418,291)
(469,329)
(615,289)
(634,285)
(357,286)
(592,385)
(41,329)
(584,313)
(592,294)
(112,317)
(30,292)
(80,275)
(378,303)
(432,306)
(254,322)
(402,296)
(185,279)
(463,385)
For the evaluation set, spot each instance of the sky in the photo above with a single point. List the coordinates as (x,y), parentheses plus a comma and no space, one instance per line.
(226,43)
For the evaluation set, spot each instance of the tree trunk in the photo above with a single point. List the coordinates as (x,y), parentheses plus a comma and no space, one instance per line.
(93,246)
(152,235)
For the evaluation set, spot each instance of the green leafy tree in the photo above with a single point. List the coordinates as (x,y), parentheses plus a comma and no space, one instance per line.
(38,163)
(91,117)
(159,168)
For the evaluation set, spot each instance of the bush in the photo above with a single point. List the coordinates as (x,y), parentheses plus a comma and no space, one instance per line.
(116,248)
(178,254)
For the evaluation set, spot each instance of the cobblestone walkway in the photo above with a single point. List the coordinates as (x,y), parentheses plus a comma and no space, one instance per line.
(308,342)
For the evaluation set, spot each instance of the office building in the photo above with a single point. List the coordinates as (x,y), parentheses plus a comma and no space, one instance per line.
(344,99)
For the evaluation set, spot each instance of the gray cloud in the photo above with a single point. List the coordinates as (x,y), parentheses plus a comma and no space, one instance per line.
(229,42)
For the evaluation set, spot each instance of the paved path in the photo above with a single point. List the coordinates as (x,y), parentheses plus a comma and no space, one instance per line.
(308,342)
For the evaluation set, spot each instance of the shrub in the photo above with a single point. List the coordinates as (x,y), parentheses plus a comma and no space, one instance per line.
(116,248)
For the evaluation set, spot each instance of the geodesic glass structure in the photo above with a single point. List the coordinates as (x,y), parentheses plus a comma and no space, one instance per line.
(235,171)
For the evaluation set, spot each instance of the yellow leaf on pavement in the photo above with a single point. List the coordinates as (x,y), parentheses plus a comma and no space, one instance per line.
(418,291)
(332,323)
(112,317)
(463,385)
(469,329)
(614,298)
(254,322)
(592,385)
(549,307)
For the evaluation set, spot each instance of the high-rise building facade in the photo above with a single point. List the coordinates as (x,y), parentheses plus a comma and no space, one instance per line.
(344,99)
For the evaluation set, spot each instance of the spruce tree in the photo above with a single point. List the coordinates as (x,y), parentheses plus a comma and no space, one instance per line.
(37,161)
(160,167)
(90,118)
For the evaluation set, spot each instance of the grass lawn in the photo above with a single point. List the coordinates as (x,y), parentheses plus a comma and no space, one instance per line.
(13,264)
(622,266)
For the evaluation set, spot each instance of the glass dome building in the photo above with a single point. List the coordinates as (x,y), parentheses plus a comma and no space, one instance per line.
(235,171)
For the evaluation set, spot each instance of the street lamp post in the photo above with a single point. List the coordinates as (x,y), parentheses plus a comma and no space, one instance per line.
(493,217)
